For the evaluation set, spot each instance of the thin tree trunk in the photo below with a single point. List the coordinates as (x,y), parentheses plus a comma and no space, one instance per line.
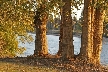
(66,48)
(86,48)
(92,25)
(41,47)
(61,35)
(98,31)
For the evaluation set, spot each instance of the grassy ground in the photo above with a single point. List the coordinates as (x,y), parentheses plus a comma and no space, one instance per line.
(12,67)
(25,65)
(47,65)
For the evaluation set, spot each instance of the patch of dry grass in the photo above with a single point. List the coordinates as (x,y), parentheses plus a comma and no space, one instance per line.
(13,67)
(29,64)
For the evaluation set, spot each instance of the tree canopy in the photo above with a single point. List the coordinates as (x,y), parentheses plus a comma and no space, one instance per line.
(16,19)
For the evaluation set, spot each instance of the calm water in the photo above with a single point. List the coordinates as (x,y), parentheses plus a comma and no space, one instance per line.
(53,46)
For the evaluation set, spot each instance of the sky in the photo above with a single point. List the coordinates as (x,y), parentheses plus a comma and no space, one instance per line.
(78,12)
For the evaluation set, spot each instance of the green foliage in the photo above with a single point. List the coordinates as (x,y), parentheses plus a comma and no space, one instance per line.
(50,7)
(100,4)
(16,19)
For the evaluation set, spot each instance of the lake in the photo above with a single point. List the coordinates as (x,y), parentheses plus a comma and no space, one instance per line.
(53,46)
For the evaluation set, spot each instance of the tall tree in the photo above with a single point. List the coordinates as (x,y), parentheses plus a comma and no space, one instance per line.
(94,13)
(41,47)
(92,23)
(97,36)
(86,48)
(66,48)
(43,9)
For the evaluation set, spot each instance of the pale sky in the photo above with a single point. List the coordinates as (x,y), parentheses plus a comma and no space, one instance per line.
(78,12)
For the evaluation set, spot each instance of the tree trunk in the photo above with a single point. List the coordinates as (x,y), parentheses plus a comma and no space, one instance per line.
(66,48)
(40,21)
(98,31)
(92,24)
(86,48)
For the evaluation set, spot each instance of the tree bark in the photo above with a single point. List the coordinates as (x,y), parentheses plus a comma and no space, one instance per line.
(66,48)
(98,31)
(86,47)
(41,47)
(92,30)
(92,25)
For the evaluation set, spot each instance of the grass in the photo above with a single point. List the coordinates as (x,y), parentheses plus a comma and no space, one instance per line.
(35,64)
(12,67)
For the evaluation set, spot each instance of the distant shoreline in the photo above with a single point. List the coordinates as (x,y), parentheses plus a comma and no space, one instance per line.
(75,35)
